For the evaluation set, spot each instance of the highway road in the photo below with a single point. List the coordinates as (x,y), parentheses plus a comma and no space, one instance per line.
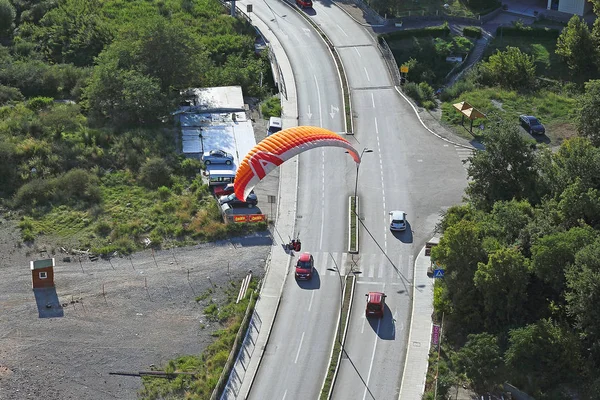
(297,355)
(409,169)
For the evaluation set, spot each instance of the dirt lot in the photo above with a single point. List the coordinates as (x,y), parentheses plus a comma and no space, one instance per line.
(119,315)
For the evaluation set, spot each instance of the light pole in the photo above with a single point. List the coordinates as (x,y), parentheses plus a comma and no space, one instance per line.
(365,150)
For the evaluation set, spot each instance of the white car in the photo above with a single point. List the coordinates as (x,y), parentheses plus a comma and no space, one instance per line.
(397,221)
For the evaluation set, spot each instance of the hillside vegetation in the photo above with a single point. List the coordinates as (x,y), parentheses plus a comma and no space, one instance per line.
(88,155)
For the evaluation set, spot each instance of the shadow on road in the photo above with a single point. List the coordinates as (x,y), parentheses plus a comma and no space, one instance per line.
(313,284)
(405,236)
(387,325)
(47,303)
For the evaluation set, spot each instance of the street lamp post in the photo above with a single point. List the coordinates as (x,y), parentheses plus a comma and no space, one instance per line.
(365,150)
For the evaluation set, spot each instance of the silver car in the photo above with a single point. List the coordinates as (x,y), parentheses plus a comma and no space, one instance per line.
(217,157)
(397,221)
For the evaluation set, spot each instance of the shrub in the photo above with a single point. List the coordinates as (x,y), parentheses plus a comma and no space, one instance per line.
(103,228)
(9,94)
(39,103)
(432,31)
(472,31)
(422,93)
(271,107)
(155,173)
(164,193)
(37,192)
(456,90)
(190,167)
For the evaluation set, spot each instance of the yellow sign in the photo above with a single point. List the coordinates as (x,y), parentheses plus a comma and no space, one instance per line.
(404,69)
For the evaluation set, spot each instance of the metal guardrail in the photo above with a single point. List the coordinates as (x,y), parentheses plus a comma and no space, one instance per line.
(221,385)
(390,61)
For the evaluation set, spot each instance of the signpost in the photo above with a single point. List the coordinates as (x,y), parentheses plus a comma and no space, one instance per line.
(435,335)
(438,273)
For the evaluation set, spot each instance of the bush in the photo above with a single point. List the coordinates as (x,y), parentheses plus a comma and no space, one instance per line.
(103,228)
(9,94)
(37,192)
(528,31)
(472,31)
(271,108)
(422,93)
(456,90)
(39,103)
(164,193)
(155,173)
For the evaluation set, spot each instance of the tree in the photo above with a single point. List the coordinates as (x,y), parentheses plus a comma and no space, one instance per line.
(481,360)
(74,32)
(7,18)
(583,293)
(576,47)
(578,203)
(552,254)
(124,97)
(542,356)
(459,252)
(510,69)
(587,117)
(502,282)
(508,218)
(155,173)
(506,170)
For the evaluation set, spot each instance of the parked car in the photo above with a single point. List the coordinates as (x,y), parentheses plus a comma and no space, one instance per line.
(532,124)
(233,201)
(375,304)
(305,267)
(304,3)
(217,157)
(397,220)
(223,190)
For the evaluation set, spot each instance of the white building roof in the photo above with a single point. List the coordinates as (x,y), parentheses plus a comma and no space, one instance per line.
(222,98)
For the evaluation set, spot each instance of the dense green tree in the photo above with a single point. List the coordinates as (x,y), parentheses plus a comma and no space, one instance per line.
(507,219)
(506,170)
(583,283)
(481,360)
(9,94)
(587,117)
(74,32)
(576,47)
(459,252)
(541,356)
(502,282)
(580,204)
(510,69)
(163,49)
(552,254)
(123,97)
(576,159)
(7,18)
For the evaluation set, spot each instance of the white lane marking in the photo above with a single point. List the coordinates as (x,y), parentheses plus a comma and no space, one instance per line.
(362,329)
(377,131)
(357,52)
(319,99)
(367,73)
(373,100)
(372,359)
(284,394)
(377,283)
(299,347)
(341,29)
(312,296)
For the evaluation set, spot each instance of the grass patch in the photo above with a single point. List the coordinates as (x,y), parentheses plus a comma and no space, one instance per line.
(552,108)
(207,367)
(543,49)
(337,346)
(353,225)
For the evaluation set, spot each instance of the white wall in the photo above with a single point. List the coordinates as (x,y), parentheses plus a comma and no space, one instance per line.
(576,7)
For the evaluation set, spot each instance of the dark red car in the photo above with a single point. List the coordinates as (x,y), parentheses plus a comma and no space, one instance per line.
(304,3)
(223,190)
(375,304)
(305,267)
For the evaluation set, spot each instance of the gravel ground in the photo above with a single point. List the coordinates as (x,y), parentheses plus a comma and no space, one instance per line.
(123,314)
(119,315)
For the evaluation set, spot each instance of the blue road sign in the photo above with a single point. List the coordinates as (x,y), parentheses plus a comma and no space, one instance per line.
(438,273)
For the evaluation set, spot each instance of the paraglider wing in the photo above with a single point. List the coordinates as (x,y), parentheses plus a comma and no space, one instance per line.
(280,147)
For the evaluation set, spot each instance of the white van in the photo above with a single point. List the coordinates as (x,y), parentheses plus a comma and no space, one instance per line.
(220,176)
(274,125)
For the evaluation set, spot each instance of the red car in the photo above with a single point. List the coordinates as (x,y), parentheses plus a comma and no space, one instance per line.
(304,3)
(305,267)
(223,190)
(375,304)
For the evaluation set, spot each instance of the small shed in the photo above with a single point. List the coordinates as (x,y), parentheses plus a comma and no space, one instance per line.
(42,273)
(469,111)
